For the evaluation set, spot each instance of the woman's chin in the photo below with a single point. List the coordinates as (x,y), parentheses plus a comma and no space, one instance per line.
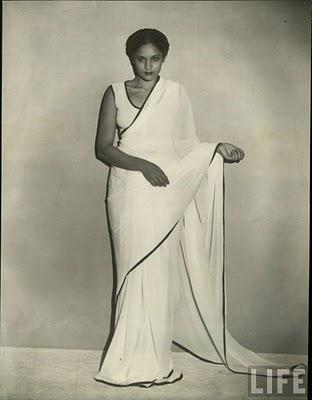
(148,77)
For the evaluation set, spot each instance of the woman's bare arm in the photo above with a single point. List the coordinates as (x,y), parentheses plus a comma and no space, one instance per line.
(105,151)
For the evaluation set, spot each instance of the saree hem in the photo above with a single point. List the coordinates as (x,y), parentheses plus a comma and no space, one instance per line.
(144,384)
(186,350)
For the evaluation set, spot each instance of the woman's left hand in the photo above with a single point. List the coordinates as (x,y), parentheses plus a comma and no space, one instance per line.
(230,153)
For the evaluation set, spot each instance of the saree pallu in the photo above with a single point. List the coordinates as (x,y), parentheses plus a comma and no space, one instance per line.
(169,250)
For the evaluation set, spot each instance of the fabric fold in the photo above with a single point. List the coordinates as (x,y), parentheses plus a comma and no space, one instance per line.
(169,247)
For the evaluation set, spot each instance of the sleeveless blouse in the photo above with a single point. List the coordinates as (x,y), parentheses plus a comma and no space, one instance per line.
(126,111)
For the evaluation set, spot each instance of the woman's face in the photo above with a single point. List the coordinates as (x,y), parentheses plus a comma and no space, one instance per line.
(147,62)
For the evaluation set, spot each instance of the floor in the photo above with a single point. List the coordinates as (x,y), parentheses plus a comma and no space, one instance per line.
(59,374)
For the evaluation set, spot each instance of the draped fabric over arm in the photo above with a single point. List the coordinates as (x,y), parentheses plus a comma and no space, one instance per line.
(169,249)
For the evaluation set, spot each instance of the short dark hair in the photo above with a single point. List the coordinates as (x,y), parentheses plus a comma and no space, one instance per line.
(145,36)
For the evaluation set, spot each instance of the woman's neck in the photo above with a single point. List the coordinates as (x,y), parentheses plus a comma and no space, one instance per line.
(145,85)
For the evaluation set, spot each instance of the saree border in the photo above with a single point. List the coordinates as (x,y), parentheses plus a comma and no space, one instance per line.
(144,258)
(140,109)
(168,233)
(128,97)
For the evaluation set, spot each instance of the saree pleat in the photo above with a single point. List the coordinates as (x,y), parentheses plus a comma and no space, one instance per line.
(169,247)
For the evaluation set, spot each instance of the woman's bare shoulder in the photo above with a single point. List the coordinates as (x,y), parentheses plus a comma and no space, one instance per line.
(111,87)
(108,98)
(108,93)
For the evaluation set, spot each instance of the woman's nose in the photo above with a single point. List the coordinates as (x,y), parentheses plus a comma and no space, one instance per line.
(147,64)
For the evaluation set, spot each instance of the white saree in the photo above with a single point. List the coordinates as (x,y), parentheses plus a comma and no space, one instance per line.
(169,250)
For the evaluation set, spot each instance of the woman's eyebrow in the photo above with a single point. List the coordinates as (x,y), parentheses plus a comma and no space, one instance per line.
(154,55)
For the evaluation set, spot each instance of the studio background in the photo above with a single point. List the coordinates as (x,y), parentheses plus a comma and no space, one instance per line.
(246,68)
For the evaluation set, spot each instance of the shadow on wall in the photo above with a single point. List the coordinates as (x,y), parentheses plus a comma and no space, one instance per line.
(59,255)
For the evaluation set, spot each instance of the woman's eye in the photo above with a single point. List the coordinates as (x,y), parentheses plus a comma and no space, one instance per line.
(140,59)
(156,58)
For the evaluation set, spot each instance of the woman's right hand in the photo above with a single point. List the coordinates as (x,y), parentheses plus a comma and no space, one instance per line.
(154,174)
(230,153)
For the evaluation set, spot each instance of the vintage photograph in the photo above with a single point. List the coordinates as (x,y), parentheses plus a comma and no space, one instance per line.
(155,199)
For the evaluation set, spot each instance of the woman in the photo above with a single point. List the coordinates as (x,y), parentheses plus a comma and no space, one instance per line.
(165,201)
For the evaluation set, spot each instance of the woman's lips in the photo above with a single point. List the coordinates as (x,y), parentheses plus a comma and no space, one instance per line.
(148,73)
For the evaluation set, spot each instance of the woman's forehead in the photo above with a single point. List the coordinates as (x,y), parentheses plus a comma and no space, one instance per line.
(148,49)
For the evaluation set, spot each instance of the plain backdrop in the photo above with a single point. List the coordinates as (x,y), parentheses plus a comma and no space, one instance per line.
(246,67)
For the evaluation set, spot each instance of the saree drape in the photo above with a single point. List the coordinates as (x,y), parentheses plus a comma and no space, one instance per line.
(169,249)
